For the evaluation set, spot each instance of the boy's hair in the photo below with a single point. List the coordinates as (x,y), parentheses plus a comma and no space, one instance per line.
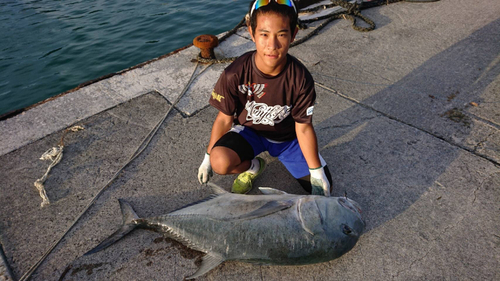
(276,8)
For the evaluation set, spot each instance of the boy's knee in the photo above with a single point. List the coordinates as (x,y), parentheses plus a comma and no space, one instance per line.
(220,162)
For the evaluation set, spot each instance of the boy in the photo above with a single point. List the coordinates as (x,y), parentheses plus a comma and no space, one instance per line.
(269,95)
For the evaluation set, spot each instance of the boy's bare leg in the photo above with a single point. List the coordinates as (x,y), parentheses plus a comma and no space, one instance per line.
(226,161)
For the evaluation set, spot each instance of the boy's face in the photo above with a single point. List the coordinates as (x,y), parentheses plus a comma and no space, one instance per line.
(272,39)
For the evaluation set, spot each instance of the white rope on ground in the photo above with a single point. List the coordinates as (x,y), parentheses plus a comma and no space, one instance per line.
(145,142)
(55,155)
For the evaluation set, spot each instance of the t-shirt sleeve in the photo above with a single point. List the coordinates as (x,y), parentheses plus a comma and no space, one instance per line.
(303,109)
(223,95)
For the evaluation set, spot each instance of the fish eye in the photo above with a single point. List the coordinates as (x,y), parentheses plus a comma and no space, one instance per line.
(346,229)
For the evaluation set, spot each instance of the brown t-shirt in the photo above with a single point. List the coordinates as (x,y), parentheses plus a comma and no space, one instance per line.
(268,104)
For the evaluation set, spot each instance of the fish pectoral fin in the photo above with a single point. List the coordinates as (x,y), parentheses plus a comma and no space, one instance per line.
(267,209)
(271,191)
(209,262)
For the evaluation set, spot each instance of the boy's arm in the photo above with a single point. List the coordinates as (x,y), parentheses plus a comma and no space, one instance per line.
(309,145)
(222,125)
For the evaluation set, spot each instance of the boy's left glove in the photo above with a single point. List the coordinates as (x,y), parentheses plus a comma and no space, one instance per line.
(205,170)
(319,182)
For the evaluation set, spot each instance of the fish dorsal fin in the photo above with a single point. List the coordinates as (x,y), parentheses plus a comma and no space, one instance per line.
(267,209)
(271,191)
(309,215)
(217,189)
(209,262)
(210,197)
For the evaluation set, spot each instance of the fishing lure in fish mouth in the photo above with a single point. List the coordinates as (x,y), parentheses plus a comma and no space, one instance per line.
(275,228)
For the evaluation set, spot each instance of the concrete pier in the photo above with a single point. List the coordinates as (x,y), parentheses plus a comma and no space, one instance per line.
(407,117)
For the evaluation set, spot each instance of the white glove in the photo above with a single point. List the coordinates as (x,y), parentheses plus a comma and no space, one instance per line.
(205,170)
(319,182)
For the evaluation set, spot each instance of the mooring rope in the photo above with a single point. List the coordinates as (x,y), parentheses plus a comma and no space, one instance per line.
(352,11)
(142,146)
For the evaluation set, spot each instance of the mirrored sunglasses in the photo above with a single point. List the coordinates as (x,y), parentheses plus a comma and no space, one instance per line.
(261,3)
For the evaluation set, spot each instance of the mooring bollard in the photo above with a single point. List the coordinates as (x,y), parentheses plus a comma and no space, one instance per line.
(206,43)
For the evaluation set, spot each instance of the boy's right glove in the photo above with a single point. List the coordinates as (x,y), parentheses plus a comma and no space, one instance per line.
(205,170)
(319,182)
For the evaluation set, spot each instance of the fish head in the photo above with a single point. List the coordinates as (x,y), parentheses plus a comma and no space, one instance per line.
(341,218)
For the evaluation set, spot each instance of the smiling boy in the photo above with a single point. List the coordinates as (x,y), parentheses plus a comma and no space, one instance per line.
(265,100)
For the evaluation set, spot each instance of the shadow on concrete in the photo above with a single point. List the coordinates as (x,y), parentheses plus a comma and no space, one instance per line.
(386,161)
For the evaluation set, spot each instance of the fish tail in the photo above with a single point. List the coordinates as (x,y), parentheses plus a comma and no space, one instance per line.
(129,223)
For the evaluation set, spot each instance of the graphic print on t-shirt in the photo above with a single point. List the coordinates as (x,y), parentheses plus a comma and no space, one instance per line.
(261,113)
(253,89)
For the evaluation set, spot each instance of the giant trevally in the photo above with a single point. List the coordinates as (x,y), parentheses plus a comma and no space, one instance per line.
(276,228)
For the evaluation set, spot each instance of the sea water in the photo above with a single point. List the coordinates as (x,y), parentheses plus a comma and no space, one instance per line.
(50,46)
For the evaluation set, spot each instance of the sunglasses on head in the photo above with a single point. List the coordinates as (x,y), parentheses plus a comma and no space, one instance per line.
(261,3)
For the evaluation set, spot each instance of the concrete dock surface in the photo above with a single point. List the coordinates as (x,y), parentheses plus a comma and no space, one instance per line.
(407,118)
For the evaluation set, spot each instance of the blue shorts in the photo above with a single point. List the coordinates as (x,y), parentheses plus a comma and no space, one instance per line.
(288,152)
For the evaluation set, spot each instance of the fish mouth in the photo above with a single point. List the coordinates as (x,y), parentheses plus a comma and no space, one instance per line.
(352,206)
(356,205)
(360,212)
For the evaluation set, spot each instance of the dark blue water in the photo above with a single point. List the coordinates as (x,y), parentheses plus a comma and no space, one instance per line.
(50,46)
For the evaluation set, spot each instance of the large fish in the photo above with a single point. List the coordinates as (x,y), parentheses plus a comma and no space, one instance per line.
(275,228)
